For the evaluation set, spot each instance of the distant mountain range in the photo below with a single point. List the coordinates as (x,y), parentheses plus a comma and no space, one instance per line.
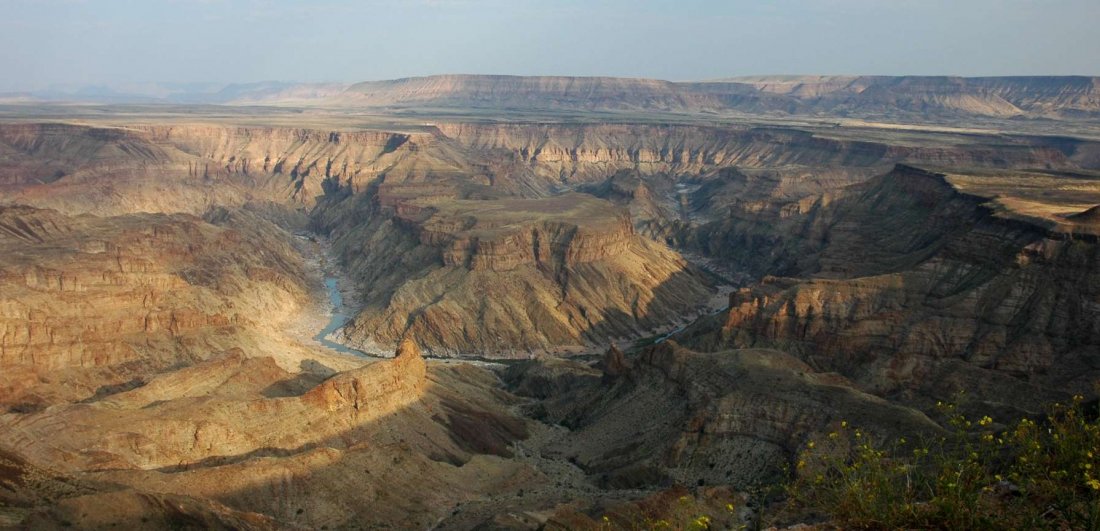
(859,96)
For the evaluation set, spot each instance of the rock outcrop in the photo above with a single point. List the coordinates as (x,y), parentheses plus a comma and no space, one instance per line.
(947,295)
(507,276)
(614,363)
(144,291)
(385,385)
(234,439)
(730,417)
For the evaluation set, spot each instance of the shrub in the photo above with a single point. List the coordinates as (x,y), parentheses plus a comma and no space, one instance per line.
(981,475)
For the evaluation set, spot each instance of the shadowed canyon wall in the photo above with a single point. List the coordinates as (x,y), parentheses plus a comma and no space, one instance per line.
(947,294)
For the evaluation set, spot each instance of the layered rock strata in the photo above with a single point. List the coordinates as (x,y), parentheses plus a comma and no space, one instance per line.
(238,441)
(676,416)
(503,277)
(118,297)
(110,170)
(947,295)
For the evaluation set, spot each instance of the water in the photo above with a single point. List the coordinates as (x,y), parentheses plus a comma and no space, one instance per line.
(683,327)
(337,321)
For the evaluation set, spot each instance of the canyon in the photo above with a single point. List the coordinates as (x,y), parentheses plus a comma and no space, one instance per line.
(555,298)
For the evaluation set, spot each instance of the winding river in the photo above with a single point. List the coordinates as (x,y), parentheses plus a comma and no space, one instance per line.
(336,320)
(339,318)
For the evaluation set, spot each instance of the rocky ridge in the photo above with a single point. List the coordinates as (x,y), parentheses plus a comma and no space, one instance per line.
(673,416)
(952,294)
(113,298)
(586,277)
(239,447)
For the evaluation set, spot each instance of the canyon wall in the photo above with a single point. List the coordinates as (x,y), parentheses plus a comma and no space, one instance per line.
(478,207)
(946,295)
(500,278)
(189,168)
(136,293)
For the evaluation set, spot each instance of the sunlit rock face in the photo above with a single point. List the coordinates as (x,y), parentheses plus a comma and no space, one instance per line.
(221,441)
(135,293)
(507,276)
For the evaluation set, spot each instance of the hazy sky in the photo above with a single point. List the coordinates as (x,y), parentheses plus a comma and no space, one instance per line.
(119,42)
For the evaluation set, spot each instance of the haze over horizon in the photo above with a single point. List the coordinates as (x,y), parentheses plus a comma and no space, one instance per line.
(118,43)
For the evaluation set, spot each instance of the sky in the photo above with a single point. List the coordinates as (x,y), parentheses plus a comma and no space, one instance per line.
(115,43)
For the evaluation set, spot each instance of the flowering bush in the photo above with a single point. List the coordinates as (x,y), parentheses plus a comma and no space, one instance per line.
(982,475)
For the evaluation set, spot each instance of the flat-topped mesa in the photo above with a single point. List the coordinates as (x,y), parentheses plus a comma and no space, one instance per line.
(505,234)
(382,386)
(828,95)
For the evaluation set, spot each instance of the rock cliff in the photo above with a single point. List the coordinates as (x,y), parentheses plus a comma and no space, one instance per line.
(506,276)
(385,385)
(134,293)
(111,170)
(948,294)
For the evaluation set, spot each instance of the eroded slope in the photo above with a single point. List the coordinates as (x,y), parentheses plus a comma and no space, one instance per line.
(946,295)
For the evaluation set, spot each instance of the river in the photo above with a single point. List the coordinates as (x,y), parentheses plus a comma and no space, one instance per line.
(336,321)
(339,317)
